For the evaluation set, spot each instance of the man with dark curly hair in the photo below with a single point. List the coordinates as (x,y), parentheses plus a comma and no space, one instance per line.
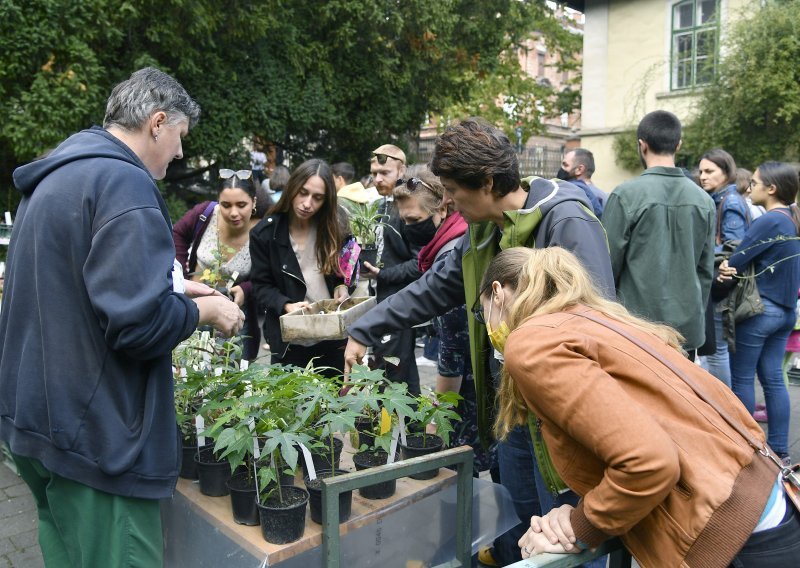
(479,169)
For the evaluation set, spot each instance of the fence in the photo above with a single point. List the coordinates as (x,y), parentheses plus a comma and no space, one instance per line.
(542,161)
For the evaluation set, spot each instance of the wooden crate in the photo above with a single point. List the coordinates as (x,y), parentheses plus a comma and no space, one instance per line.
(326,319)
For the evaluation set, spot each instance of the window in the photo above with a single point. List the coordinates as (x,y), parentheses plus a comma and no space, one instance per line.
(695,35)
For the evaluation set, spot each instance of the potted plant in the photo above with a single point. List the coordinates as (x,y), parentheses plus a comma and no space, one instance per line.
(281,508)
(234,433)
(221,381)
(380,403)
(328,414)
(365,219)
(193,361)
(435,412)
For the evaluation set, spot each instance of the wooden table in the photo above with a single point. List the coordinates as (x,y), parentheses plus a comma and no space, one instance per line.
(217,512)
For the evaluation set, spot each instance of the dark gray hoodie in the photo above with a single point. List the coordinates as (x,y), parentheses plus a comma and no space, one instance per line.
(89,319)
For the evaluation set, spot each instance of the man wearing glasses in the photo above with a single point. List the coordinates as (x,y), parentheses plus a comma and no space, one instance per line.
(397,266)
(479,169)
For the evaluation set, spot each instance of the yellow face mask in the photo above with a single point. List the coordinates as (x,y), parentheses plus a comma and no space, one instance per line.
(497,336)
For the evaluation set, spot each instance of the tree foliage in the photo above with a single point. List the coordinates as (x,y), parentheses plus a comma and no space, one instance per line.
(753,108)
(332,79)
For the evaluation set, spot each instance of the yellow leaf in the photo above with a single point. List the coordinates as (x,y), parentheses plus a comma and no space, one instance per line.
(386,421)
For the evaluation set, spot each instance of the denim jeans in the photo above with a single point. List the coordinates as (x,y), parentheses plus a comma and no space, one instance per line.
(760,345)
(516,461)
(719,363)
(777,547)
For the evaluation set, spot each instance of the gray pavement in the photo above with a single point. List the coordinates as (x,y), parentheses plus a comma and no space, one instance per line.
(19,547)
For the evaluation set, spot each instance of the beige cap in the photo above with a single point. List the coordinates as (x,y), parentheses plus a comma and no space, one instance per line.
(354,192)
(390,150)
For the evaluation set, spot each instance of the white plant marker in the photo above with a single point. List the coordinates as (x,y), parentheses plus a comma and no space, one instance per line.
(244,364)
(401,422)
(312,473)
(393,447)
(200,425)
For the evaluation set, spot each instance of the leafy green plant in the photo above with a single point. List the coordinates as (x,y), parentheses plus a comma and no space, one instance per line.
(439,409)
(380,403)
(364,220)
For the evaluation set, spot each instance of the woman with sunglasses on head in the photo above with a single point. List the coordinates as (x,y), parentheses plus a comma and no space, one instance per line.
(676,475)
(295,251)
(214,236)
(772,247)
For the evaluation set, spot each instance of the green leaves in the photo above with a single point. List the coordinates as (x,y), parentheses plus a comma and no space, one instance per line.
(753,107)
(332,79)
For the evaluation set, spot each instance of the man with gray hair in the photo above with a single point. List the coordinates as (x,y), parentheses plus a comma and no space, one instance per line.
(94,303)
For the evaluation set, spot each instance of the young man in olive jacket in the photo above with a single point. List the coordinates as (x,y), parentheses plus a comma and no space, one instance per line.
(479,168)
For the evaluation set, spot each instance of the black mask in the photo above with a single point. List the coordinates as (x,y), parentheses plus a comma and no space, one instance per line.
(563,174)
(421,233)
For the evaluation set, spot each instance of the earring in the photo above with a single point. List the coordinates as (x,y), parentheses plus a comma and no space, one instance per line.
(254,210)
(155,137)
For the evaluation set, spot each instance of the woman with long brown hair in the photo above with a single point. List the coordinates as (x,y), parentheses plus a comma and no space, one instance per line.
(295,257)
(675,475)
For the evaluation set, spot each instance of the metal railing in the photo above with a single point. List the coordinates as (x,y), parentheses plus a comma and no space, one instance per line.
(619,557)
(460,457)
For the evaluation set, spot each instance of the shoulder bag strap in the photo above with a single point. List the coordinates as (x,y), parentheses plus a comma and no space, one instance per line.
(763,449)
(791,218)
(719,220)
(202,221)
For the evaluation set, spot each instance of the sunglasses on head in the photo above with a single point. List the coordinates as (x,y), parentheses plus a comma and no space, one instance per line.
(383,157)
(413,184)
(225,173)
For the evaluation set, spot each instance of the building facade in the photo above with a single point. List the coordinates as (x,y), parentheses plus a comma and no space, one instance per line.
(645,55)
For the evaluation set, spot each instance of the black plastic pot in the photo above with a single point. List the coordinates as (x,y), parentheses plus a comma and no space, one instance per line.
(419,445)
(314,488)
(188,465)
(365,430)
(212,473)
(243,499)
(321,457)
(369,253)
(366,460)
(283,522)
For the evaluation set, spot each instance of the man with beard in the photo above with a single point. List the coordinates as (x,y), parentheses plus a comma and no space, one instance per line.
(397,267)
(660,229)
(577,167)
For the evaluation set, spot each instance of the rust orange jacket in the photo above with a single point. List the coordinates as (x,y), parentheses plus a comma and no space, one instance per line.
(653,463)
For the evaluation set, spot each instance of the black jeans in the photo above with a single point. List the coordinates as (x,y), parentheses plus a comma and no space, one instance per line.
(778,547)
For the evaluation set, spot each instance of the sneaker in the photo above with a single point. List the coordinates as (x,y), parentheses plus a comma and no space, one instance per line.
(761,406)
(486,558)
(760,416)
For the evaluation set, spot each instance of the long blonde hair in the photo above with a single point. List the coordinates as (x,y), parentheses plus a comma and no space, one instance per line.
(547,281)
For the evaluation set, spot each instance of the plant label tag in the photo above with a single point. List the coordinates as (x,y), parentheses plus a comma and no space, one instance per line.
(200,425)
(312,473)
(256,448)
(218,372)
(401,422)
(244,364)
(393,447)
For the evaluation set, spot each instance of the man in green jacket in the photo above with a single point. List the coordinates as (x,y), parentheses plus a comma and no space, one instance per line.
(479,169)
(660,229)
